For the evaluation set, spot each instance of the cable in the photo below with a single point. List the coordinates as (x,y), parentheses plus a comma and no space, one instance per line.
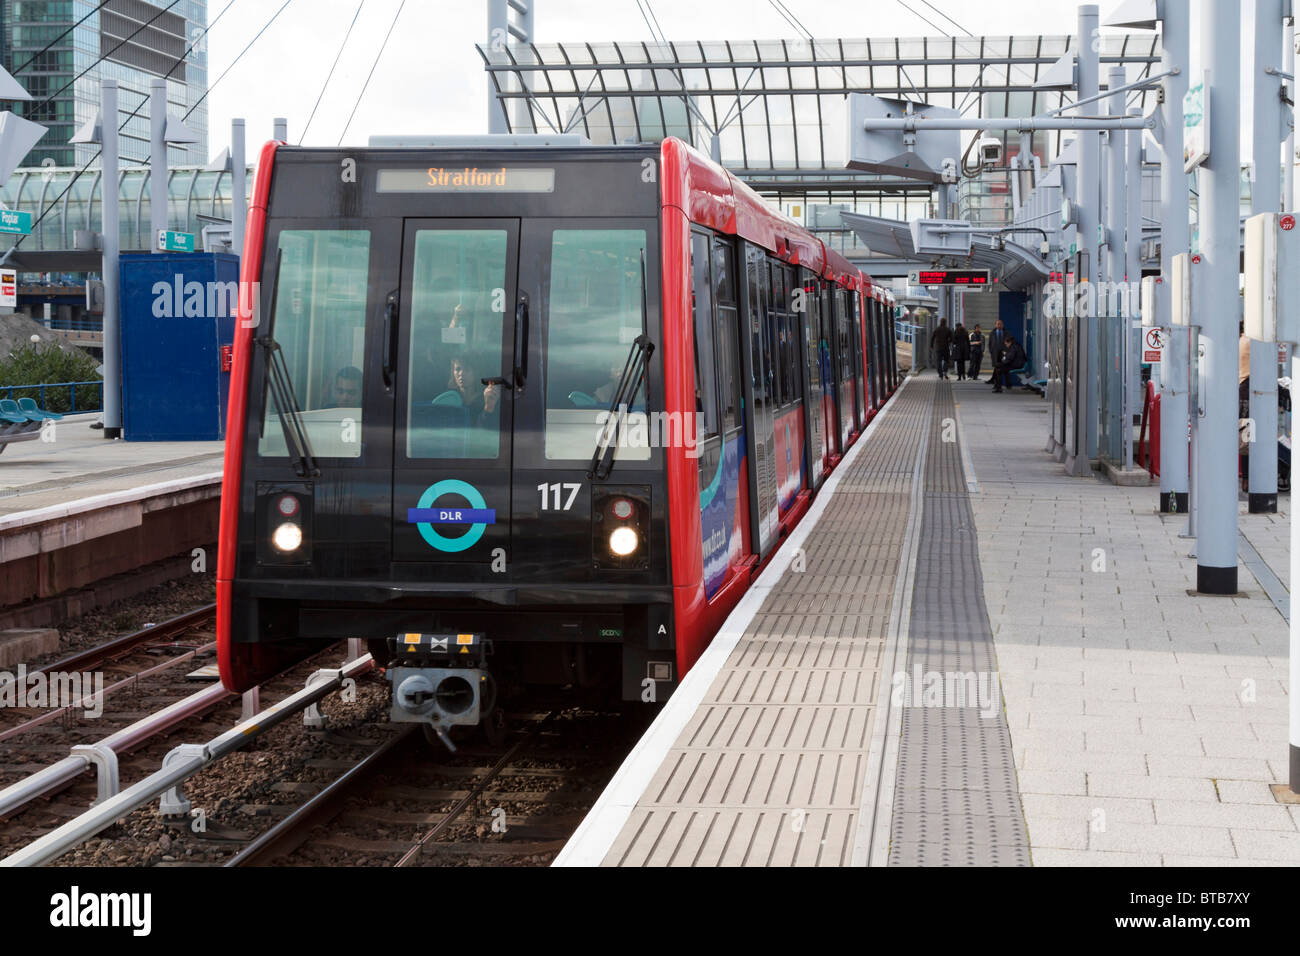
(663,37)
(922,17)
(649,25)
(331,72)
(373,66)
(247,47)
(948,18)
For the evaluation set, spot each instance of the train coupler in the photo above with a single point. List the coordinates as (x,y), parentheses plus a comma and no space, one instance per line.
(441,681)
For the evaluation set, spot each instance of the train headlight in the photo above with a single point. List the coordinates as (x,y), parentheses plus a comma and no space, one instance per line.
(623,541)
(287,537)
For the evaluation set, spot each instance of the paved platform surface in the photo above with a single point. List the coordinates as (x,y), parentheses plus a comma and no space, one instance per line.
(1147,724)
(1126,722)
(80,463)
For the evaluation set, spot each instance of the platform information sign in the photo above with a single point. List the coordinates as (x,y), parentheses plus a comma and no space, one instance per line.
(15,223)
(169,241)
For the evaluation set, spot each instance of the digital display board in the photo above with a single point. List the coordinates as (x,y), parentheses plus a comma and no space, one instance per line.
(467,179)
(954,277)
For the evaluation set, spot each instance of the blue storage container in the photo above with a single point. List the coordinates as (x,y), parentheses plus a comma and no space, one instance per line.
(178,323)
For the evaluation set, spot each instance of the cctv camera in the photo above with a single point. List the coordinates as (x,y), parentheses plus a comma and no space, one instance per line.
(990,151)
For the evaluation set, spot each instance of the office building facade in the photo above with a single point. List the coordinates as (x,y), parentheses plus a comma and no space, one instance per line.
(138,40)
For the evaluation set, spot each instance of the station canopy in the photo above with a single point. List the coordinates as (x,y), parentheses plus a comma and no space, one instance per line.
(775,112)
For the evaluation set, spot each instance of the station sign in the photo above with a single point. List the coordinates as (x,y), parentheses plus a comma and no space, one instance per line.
(960,278)
(169,241)
(15,223)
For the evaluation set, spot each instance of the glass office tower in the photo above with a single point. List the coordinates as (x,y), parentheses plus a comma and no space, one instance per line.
(138,39)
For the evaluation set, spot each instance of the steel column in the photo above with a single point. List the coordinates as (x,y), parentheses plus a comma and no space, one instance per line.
(1216,524)
(1175,239)
(1265,196)
(110,224)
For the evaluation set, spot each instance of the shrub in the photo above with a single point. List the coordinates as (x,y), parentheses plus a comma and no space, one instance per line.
(47,363)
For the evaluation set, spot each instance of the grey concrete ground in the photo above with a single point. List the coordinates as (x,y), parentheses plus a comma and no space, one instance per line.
(80,462)
(1147,724)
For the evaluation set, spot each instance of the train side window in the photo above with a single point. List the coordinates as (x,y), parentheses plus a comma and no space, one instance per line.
(772,331)
(756,272)
(593,316)
(789,349)
(319,324)
(727,316)
(706,379)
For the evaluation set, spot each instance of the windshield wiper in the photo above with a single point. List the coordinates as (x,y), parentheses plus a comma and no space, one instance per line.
(281,387)
(629,383)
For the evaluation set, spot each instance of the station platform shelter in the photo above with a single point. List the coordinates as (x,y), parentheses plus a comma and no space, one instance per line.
(963,656)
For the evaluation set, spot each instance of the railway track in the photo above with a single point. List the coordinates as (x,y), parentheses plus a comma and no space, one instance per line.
(144,666)
(33,743)
(408,804)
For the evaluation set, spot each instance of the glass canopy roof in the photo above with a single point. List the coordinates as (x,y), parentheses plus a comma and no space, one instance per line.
(778,108)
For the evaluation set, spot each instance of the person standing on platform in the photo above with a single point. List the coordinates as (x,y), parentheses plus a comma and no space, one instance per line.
(976,340)
(960,350)
(997,341)
(941,342)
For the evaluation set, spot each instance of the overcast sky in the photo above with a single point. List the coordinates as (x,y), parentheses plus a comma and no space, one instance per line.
(431,79)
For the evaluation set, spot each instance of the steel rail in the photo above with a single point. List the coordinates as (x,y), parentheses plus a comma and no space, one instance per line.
(188,762)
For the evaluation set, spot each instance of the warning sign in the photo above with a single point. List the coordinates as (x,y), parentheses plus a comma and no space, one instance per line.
(1153,343)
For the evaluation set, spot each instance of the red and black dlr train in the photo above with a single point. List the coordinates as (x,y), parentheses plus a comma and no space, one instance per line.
(524,415)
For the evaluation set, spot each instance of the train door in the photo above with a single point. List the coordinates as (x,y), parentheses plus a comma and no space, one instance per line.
(828,348)
(809,331)
(723,479)
(845,350)
(760,396)
(449,357)
(875,362)
(788,419)
(861,361)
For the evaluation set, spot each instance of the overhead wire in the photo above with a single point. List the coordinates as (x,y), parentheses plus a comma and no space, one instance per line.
(330,75)
(378,57)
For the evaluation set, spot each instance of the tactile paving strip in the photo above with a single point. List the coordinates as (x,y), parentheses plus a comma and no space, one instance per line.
(771,768)
(956,802)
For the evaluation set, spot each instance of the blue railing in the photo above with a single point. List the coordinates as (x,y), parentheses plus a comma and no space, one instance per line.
(906,331)
(78,325)
(40,392)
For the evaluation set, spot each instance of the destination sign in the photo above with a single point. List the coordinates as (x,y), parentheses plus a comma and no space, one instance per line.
(467,179)
(954,277)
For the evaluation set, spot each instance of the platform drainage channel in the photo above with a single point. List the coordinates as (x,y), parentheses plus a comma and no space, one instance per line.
(956,801)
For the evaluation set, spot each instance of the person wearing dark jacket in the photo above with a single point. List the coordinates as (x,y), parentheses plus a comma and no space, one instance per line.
(997,342)
(941,343)
(960,350)
(976,340)
(1013,356)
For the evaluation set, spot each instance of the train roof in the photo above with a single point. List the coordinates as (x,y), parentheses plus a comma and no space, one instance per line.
(712,196)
